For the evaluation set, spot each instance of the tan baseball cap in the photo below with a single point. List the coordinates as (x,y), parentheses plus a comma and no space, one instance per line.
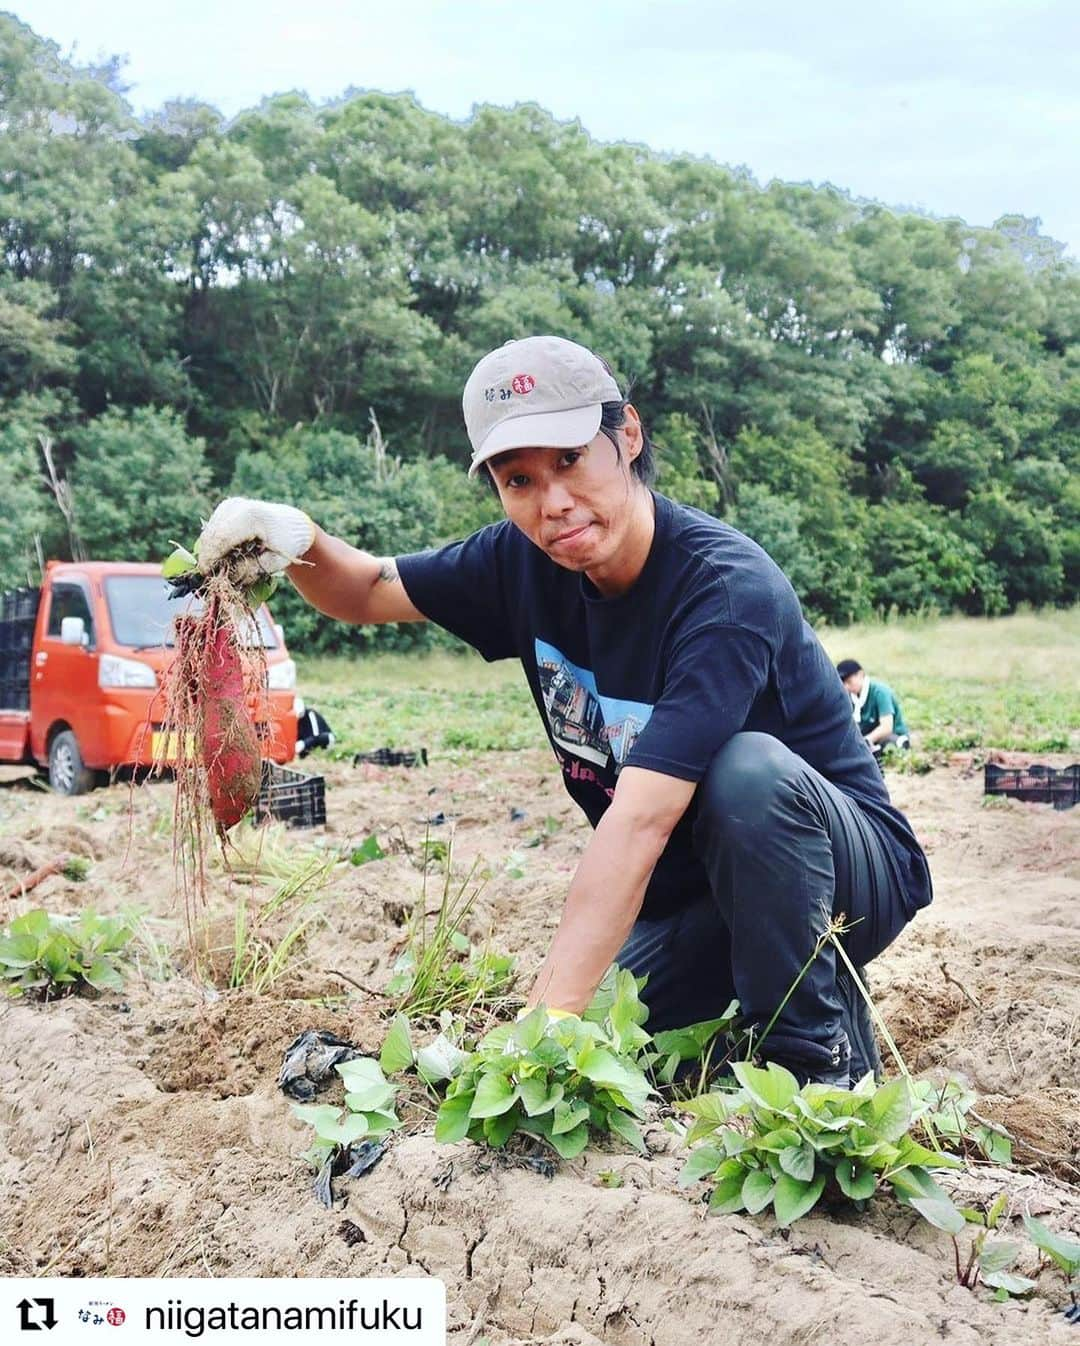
(540,392)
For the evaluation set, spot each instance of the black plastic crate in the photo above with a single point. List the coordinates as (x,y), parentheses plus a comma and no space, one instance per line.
(15,666)
(14,696)
(293,797)
(19,605)
(1035,784)
(391,757)
(16,633)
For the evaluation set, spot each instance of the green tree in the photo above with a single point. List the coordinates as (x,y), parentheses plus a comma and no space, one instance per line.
(75,218)
(802,467)
(920,562)
(24,515)
(1021,544)
(138,481)
(33,348)
(679,468)
(31,526)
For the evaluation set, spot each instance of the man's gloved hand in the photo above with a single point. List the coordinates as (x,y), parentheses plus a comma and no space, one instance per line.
(554,1016)
(551,1013)
(284,532)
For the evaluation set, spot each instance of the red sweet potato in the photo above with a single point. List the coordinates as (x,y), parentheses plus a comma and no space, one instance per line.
(230,745)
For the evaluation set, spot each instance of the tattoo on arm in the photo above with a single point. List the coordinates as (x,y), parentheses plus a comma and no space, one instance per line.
(388,572)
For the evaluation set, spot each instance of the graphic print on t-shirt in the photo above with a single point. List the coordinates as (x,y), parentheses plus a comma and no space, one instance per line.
(585,723)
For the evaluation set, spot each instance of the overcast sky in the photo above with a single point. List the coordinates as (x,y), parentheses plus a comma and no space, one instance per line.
(961,107)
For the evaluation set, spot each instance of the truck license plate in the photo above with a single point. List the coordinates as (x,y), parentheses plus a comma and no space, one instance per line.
(163,746)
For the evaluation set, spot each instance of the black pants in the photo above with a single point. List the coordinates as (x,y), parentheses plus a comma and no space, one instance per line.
(902,741)
(785,851)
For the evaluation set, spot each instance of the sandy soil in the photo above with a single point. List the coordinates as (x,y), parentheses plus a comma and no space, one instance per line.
(144,1134)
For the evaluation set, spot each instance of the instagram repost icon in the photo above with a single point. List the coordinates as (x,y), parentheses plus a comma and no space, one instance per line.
(37,1315)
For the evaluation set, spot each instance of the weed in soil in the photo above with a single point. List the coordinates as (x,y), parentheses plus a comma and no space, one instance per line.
(772,1143)
(268,937)
(990,1262)
(77,869)
(439,969)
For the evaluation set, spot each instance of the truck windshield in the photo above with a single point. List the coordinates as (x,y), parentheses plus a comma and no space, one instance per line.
(141,613)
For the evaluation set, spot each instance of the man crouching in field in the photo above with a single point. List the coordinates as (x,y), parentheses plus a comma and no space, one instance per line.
(697,719)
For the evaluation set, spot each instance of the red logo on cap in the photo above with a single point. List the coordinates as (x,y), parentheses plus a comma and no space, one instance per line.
(523,383)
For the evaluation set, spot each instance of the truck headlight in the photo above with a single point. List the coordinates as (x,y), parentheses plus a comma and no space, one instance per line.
(116,672)
(281,677)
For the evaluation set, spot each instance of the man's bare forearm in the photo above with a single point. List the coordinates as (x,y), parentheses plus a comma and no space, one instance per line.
(349,584)
(601,907)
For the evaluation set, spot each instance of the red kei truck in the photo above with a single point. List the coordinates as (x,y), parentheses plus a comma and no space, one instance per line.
(81,664)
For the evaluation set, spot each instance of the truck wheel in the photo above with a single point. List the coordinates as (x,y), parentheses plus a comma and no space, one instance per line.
(67,774)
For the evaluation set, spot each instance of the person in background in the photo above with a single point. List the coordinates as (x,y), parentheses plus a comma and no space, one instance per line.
(874,703)
(312,731)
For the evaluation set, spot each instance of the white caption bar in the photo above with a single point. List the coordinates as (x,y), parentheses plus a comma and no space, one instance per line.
(56,1311)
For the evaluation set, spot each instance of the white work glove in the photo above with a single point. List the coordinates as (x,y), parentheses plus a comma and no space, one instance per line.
(284,532)
(552,1014)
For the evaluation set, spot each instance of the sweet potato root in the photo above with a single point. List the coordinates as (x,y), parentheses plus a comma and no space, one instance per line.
(214,695)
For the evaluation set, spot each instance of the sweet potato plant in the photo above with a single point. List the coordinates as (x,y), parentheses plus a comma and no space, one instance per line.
(50,956)
(770,1143)
(561,1080)
(368,1113)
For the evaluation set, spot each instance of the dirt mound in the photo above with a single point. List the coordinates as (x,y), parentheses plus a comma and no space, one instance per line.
(1045,1128)
(18,857)
(66,839)
(236,1044)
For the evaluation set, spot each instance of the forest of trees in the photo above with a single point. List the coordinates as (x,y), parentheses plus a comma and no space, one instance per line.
(287,304)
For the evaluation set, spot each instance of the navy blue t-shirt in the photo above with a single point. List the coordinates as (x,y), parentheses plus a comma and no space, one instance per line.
(708,641)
